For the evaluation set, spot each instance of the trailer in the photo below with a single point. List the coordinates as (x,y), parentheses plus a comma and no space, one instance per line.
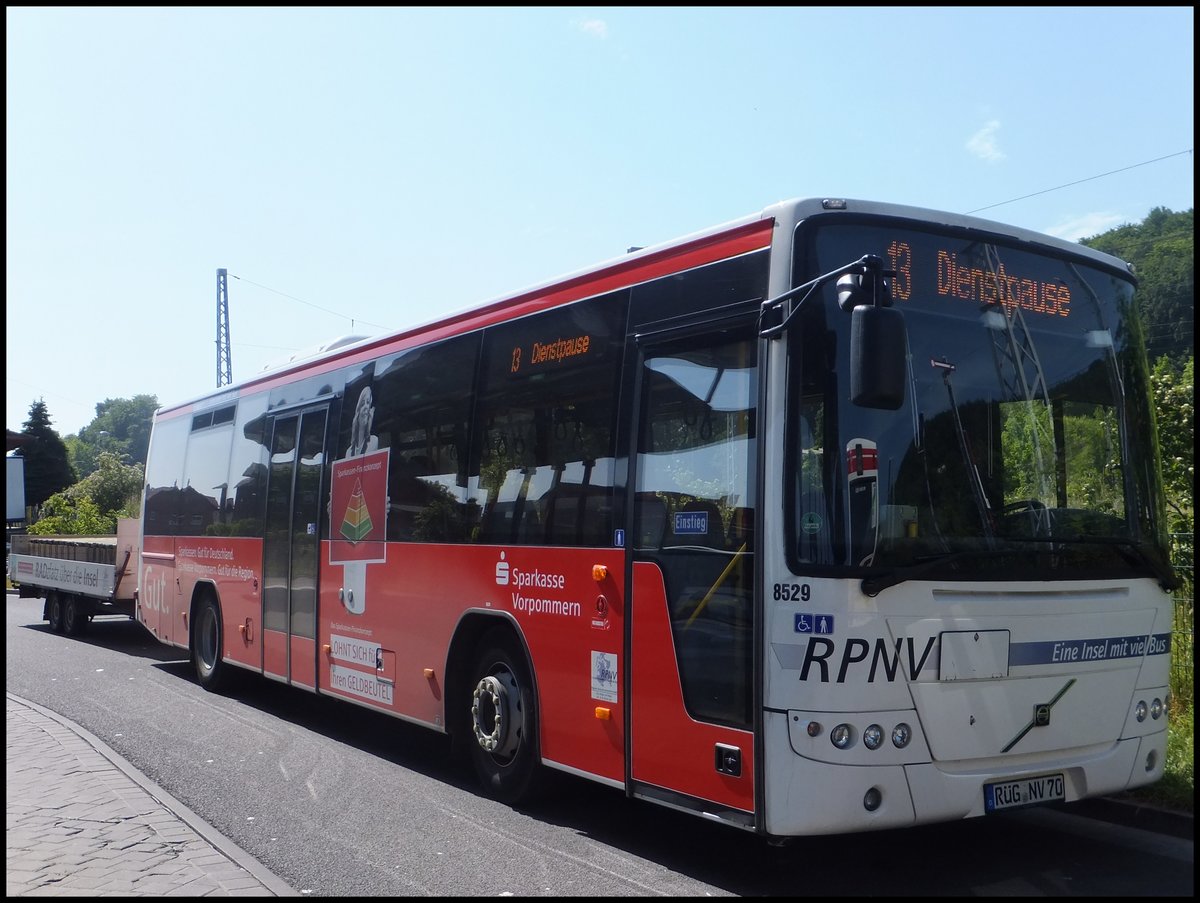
(78,576)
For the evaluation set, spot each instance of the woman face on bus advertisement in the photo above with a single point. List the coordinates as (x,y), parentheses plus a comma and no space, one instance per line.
(361,440)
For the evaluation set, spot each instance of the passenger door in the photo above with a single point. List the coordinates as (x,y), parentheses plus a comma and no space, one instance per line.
(692,545)
(291,546)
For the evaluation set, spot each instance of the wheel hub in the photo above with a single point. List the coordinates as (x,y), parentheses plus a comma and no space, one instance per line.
(496,714)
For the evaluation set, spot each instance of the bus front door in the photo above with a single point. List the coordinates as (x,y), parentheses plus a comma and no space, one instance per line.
(692,540)
(291,546)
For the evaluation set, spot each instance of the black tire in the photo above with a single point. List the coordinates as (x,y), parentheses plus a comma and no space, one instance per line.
(208,648)
(74,616)
(54,612)
(503,720)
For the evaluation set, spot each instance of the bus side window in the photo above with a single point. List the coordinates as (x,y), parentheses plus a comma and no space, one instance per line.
(544,453)
(651,521)
(423,399)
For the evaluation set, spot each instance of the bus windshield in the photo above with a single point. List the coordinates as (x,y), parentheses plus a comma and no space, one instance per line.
(1025,444)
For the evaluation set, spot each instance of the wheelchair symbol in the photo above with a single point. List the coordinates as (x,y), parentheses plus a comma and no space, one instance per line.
(813,623)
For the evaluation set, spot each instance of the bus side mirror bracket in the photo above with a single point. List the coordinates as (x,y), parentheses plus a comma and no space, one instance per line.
(878,340)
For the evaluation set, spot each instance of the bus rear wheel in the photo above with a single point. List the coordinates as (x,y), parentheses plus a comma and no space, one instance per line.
(503,720)
(208,646)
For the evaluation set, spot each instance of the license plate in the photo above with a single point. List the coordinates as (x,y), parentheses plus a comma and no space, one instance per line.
(1025,792)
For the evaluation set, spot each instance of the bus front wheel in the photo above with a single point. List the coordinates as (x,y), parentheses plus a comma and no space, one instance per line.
(503,719)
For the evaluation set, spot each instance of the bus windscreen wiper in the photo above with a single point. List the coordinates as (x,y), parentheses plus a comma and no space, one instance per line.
(1132,551)
(872,585)
(1135,553)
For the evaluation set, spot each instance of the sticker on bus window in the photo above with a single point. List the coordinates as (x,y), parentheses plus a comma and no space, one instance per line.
(807,622)
(691,523)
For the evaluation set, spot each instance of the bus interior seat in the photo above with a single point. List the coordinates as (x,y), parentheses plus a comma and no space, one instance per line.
(741,528)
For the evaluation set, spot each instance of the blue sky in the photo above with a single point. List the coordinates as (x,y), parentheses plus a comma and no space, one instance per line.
(365,169)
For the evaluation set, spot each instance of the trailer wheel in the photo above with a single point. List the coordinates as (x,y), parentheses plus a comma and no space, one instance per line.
(54,612)
(504,720)
(208,647)
(74,617)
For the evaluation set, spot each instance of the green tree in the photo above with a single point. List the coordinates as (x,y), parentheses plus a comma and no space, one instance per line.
(1162,251)
(63,516)
(121,426)
(91,506)
(47,467)
(1175,408)
(114,488)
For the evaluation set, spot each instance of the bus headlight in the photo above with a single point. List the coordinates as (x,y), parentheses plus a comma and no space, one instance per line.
(841,736)
(1156,709)
(872,736)
(1139,711)
(901,734)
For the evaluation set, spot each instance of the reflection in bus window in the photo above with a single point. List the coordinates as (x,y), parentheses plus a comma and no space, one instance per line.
(694,513)
(423,402)
(545,450)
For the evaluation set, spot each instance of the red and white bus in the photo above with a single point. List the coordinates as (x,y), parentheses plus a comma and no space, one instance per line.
(842,516)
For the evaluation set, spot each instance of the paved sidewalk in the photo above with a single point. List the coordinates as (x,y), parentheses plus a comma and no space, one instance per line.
(81,821)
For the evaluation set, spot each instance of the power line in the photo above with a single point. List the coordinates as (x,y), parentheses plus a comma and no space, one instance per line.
(270,347)
(309,303)
(1081,181)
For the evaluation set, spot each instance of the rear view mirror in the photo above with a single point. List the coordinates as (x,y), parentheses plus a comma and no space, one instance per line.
(878,346)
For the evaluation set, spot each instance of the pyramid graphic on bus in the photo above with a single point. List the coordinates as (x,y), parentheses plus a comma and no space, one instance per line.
(357,522)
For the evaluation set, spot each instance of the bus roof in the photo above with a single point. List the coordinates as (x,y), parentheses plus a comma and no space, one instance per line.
(750,232)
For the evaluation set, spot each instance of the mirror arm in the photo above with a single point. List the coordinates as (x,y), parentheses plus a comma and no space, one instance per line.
(862,266)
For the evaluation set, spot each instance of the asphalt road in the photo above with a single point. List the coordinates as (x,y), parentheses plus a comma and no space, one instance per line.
(337,799)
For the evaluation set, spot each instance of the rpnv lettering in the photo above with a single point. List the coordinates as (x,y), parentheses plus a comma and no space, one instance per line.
(857,657)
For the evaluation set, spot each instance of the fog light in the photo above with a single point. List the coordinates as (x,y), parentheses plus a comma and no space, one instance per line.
(1139,711)
(1156,709)
(1151,760)
(872,736)
(841,736)
(872,799)
(901,734)
(814,728)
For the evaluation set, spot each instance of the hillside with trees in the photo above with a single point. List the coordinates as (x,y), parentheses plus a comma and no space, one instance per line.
(1162,250)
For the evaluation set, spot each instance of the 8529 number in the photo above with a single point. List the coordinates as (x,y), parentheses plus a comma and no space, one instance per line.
(792,592)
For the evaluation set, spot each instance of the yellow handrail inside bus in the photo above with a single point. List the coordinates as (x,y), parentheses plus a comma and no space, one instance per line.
(725,573)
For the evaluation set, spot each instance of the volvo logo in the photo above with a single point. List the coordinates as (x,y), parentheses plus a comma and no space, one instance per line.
(1041,715)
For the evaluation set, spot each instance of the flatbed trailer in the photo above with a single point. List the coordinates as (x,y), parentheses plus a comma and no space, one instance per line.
(78,576)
